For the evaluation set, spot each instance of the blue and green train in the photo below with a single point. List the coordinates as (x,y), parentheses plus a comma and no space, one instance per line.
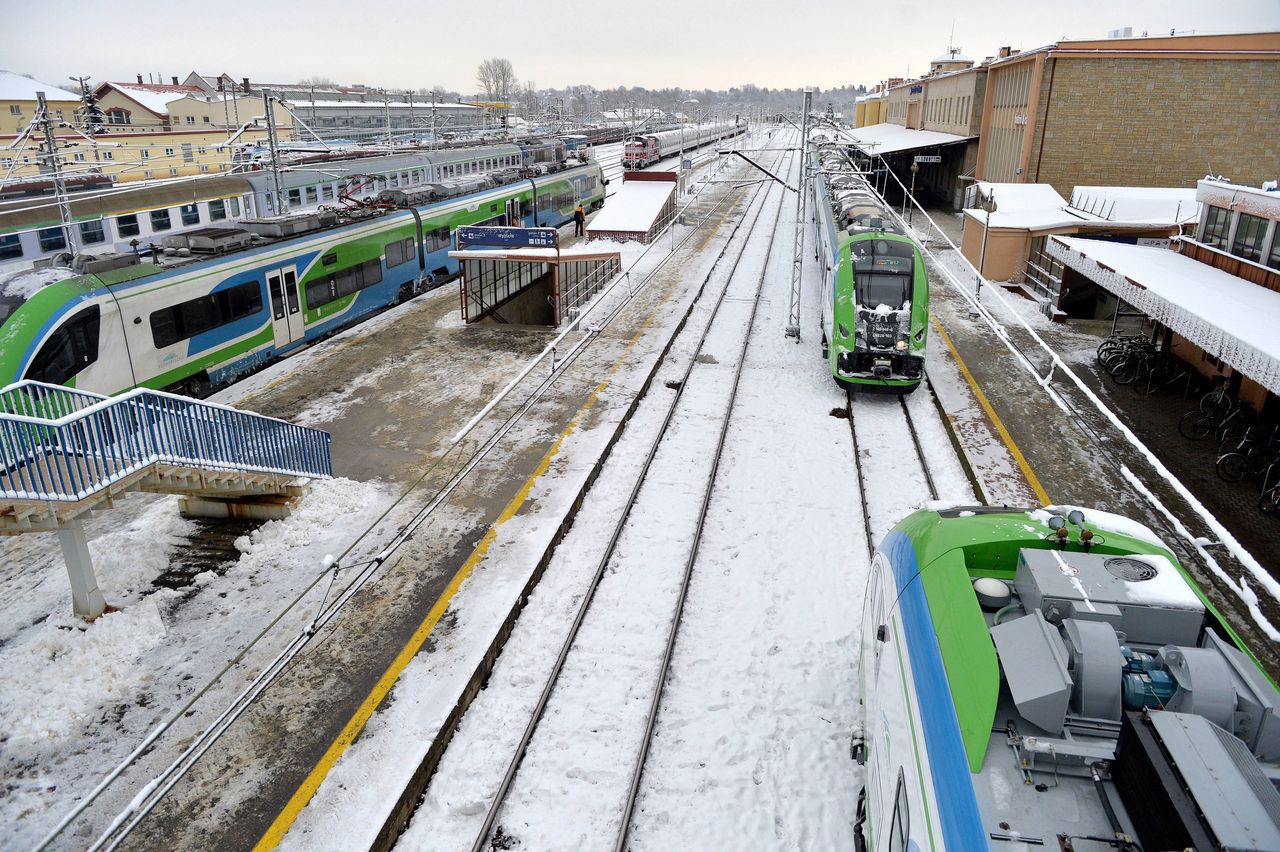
(196,318)
(875,307)
(1053,679)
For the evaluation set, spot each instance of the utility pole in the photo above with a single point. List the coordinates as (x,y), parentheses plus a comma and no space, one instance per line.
(797,251)
(49,165)
(386,114)
(280,201)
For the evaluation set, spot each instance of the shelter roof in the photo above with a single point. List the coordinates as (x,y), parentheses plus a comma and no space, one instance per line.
(634,207)
(878,139)
(1229,317)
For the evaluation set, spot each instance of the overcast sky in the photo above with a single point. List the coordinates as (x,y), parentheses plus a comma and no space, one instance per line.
(774,43)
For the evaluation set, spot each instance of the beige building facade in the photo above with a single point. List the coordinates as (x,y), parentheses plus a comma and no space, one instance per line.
(1134,112)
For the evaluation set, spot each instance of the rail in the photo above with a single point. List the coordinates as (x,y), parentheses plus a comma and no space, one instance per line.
(98,441)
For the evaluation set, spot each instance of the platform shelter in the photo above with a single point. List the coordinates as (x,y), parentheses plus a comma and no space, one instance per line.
(532,286)
(639,211)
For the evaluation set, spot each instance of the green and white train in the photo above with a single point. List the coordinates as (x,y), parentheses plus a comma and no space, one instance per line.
(875,309)
(219,302)
(1053,679)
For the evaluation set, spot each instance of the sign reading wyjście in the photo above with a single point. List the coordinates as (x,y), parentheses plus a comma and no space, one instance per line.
(928,158)
(510,237)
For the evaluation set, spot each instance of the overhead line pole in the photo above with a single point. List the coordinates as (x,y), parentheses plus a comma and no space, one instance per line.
(50,164)
(797,255)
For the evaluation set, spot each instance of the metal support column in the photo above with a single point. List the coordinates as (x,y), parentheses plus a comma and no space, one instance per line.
(274,147)
(797,251)
(50,165)
(86,599)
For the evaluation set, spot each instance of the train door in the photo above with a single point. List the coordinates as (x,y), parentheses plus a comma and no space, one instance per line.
(513,213)
(286,312)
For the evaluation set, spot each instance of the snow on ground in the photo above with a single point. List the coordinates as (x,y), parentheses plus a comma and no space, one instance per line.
(75,698)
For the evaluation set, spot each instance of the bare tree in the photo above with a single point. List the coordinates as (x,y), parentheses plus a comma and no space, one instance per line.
(531,102)
(496,79)
(317,82)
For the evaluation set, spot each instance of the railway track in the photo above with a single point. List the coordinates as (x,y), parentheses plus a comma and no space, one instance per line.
(357,574)
(628,521)
(888,421)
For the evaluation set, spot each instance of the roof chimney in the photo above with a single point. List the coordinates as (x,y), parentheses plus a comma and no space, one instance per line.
(1005,52)
(139,79)
(246,84)
(175,80)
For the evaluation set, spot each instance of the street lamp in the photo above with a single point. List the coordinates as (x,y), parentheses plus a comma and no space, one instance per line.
(682,123)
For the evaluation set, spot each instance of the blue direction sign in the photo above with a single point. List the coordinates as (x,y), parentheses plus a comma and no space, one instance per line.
(515,237)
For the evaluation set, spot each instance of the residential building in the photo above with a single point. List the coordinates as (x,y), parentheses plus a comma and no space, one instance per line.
(18,104)
(1158,111)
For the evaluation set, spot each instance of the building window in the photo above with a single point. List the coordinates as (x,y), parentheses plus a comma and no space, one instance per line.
(206,119)
(191,119)
(148,175)
(168,152)
(127,226)
(92,232)
(108,155)
(146,155)
(1217,222)
(52,239)
(173,172)
(1273,259)
(10,247)
(15,109)
(160,220)
(79,157)
(190,214)
(1250,232)
(200,150)
(217,210)
(187,156)
(117,116)
(204,169)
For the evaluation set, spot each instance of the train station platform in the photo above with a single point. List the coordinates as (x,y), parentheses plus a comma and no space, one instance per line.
(532,286)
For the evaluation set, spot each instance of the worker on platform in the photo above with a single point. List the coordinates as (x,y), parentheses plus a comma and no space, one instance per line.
(579,217)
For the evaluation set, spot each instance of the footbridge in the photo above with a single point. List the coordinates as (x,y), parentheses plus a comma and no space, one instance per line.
(65,452)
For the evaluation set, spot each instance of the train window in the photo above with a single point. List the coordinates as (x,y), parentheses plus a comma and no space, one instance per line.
(160,220)
(544,202)
(195,316)
(190,214)
(493,208)
(295,197)
(400,252)
(127,226)
(343,283)
(68,350)
(526,207)
(217,210)
(900,828)
(326,192)
(10,247)
(438,238)
(52,239)
(312,197)
(233,206)
(329,259)
(92,232)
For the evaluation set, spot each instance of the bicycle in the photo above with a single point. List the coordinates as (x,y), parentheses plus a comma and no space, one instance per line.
(1216,401)
(1124,365)
(1159,373)
(1254,456)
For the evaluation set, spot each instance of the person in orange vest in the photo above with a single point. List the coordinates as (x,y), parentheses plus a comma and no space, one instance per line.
(579,218)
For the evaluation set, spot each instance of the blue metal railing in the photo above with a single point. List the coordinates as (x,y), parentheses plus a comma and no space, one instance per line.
(99,440)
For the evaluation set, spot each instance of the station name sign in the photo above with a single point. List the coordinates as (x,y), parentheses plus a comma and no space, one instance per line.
(509,237)
(928,158)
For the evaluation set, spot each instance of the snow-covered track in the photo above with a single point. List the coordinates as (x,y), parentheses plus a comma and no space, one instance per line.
(627,520)
(896,437)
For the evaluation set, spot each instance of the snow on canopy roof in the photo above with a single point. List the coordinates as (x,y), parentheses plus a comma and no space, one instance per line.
(890,138)
(530,253)
(1157,205)
(1229,317)
(155,96)
(307,103)
(1036,206)
(16,87)
(633,208)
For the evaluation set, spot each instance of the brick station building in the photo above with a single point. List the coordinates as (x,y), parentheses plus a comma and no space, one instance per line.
(1161,111)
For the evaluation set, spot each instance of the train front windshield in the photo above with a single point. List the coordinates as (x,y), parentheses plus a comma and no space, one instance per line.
(883,273)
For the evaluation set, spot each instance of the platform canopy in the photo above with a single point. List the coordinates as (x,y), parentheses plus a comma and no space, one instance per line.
(1228,317)
(879,139)
(634,211)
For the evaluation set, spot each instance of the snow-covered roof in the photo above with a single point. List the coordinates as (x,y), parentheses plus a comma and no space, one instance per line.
(579,252)
(951,57)
(1229,317)
(890,138)
(16,87)
(1038,206)
(634,207)
(1156,205)
(155,97)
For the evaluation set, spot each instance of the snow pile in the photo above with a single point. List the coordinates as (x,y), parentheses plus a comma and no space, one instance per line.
(25,284)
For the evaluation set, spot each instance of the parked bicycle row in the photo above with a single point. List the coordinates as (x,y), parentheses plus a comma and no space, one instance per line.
(1245,446)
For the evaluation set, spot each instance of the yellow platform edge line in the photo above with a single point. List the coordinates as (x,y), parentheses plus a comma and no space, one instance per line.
(1012,445)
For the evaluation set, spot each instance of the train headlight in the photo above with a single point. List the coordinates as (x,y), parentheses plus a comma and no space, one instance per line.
(902,345)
